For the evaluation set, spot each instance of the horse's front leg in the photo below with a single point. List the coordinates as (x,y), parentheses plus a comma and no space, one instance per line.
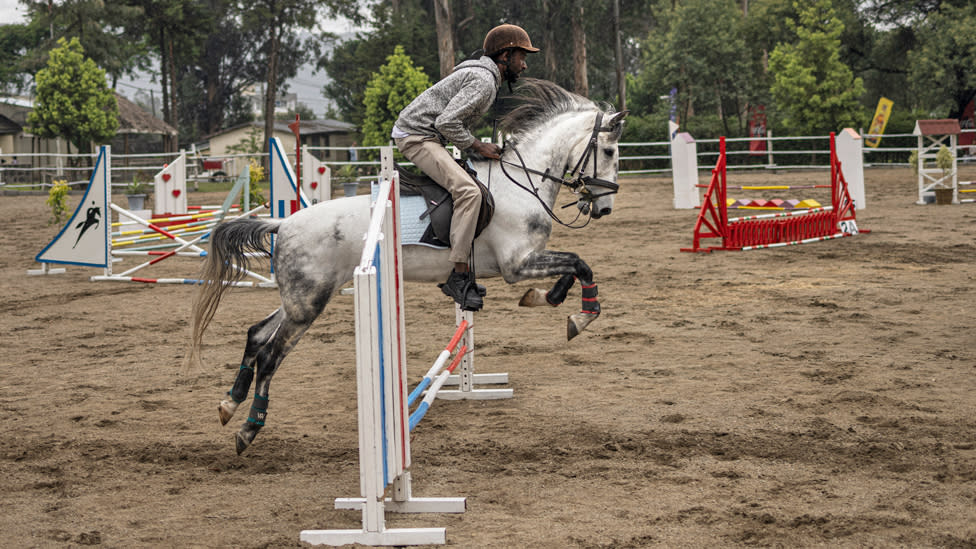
(571,267)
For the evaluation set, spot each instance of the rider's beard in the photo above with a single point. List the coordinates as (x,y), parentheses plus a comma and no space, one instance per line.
(511,76)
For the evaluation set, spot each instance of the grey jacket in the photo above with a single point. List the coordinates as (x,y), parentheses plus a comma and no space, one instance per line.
(448,108)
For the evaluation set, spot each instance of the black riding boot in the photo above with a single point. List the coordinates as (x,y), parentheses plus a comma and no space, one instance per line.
(462,288)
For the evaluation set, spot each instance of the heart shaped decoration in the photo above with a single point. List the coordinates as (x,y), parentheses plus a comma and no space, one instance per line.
(166,177)
(321,169)
(315,185)
(176,193)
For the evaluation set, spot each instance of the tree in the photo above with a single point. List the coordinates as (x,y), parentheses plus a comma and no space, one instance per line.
(106,30)
(942,62)
(391,89)
(274,25)
(711,70)
(73,100)
(16,41)
(814,90)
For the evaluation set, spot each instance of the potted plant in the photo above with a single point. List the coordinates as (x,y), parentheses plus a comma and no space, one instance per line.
(346,175)
(136,193)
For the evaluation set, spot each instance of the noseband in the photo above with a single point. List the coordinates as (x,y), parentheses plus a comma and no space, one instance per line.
(580,184)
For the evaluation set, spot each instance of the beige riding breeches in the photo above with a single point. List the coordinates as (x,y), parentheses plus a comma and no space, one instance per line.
(436,161)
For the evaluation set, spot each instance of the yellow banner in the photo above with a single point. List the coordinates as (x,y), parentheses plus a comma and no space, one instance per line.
(878,123)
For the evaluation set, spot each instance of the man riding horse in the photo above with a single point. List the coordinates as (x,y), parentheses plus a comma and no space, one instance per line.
(444,113)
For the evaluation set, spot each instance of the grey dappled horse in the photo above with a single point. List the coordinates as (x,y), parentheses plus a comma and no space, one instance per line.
(558,139)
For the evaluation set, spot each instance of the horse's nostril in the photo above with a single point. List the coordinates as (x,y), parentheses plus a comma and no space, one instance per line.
(605,211)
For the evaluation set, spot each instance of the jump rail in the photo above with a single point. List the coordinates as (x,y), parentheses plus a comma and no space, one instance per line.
(773,230)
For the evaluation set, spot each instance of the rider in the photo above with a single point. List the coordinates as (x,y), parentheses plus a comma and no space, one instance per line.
(443,113)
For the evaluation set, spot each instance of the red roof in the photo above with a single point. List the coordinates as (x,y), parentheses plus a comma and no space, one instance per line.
(944,126)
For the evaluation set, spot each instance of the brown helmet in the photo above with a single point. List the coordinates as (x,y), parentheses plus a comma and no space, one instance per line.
(503,37)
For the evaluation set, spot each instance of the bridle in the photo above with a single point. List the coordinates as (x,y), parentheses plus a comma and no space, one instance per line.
(579,183)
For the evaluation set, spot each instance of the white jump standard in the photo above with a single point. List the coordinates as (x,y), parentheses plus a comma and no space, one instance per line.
(384,418)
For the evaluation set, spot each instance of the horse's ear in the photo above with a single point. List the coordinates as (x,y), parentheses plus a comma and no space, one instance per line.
(616,124)
(618,118)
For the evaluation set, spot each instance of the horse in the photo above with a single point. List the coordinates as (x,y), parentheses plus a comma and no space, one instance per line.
(317,248)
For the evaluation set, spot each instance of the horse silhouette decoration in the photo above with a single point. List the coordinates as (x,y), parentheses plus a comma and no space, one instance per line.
(558,139)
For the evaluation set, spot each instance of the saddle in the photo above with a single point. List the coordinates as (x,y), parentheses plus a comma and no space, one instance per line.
(440,205)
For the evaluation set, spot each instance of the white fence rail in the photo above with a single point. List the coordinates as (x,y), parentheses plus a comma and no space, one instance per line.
(37,171)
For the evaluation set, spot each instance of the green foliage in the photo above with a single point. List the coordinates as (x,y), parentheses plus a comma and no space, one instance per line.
(57,200)
(73,100)
(944,159)
(711,70)
(16,43)
(137,187)
(390,90)
(813,89)
(109,32)
(942,64)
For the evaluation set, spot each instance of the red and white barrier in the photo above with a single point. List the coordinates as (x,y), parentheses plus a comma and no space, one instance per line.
(684,168)
(773,230)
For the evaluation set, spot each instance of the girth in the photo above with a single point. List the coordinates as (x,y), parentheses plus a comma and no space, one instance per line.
(440,204)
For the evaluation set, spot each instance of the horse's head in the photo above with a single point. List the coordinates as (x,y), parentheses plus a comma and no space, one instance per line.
(574,139)
(594,176)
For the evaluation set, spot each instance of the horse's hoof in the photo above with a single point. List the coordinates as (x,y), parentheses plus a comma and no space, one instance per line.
(226,409)
(242,444)
(533,298)
(578,322)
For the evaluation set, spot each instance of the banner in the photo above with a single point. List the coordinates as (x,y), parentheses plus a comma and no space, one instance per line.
(878,123)
(757,130)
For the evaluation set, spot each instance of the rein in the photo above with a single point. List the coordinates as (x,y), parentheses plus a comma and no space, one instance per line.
(579,184)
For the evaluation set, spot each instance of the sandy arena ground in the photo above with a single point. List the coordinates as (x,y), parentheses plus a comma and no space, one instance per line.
(817,395)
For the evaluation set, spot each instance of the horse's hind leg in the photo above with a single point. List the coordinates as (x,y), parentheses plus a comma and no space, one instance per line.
(257,336)
(268,359)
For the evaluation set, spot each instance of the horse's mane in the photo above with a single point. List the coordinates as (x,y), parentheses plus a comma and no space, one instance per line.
(538,101)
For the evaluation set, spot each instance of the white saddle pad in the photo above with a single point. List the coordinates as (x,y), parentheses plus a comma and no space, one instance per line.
(411,226)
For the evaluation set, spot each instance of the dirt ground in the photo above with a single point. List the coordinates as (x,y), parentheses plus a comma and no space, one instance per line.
(816,395)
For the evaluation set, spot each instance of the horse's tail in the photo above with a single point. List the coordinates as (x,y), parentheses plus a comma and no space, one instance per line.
(231,247)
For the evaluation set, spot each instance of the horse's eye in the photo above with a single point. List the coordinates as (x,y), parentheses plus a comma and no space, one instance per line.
(608,151)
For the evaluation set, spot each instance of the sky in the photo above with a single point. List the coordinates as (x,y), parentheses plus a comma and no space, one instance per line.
(11,12)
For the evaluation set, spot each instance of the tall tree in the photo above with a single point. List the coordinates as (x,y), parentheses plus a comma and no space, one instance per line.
(942,65)
(276,26)
(710,70)
(814,90)
(17,41)
(581,83)
(106,31)
(73,100)
(444,22)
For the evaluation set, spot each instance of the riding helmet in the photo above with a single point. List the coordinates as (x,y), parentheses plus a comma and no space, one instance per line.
(507,36)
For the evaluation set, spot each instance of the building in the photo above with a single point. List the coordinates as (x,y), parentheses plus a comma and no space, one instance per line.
(314,133)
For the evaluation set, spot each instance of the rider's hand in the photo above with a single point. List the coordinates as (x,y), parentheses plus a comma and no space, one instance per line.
(487,150)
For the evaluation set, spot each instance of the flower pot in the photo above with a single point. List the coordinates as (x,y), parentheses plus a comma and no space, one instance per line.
(943,196)
(136,201)
(350,188)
